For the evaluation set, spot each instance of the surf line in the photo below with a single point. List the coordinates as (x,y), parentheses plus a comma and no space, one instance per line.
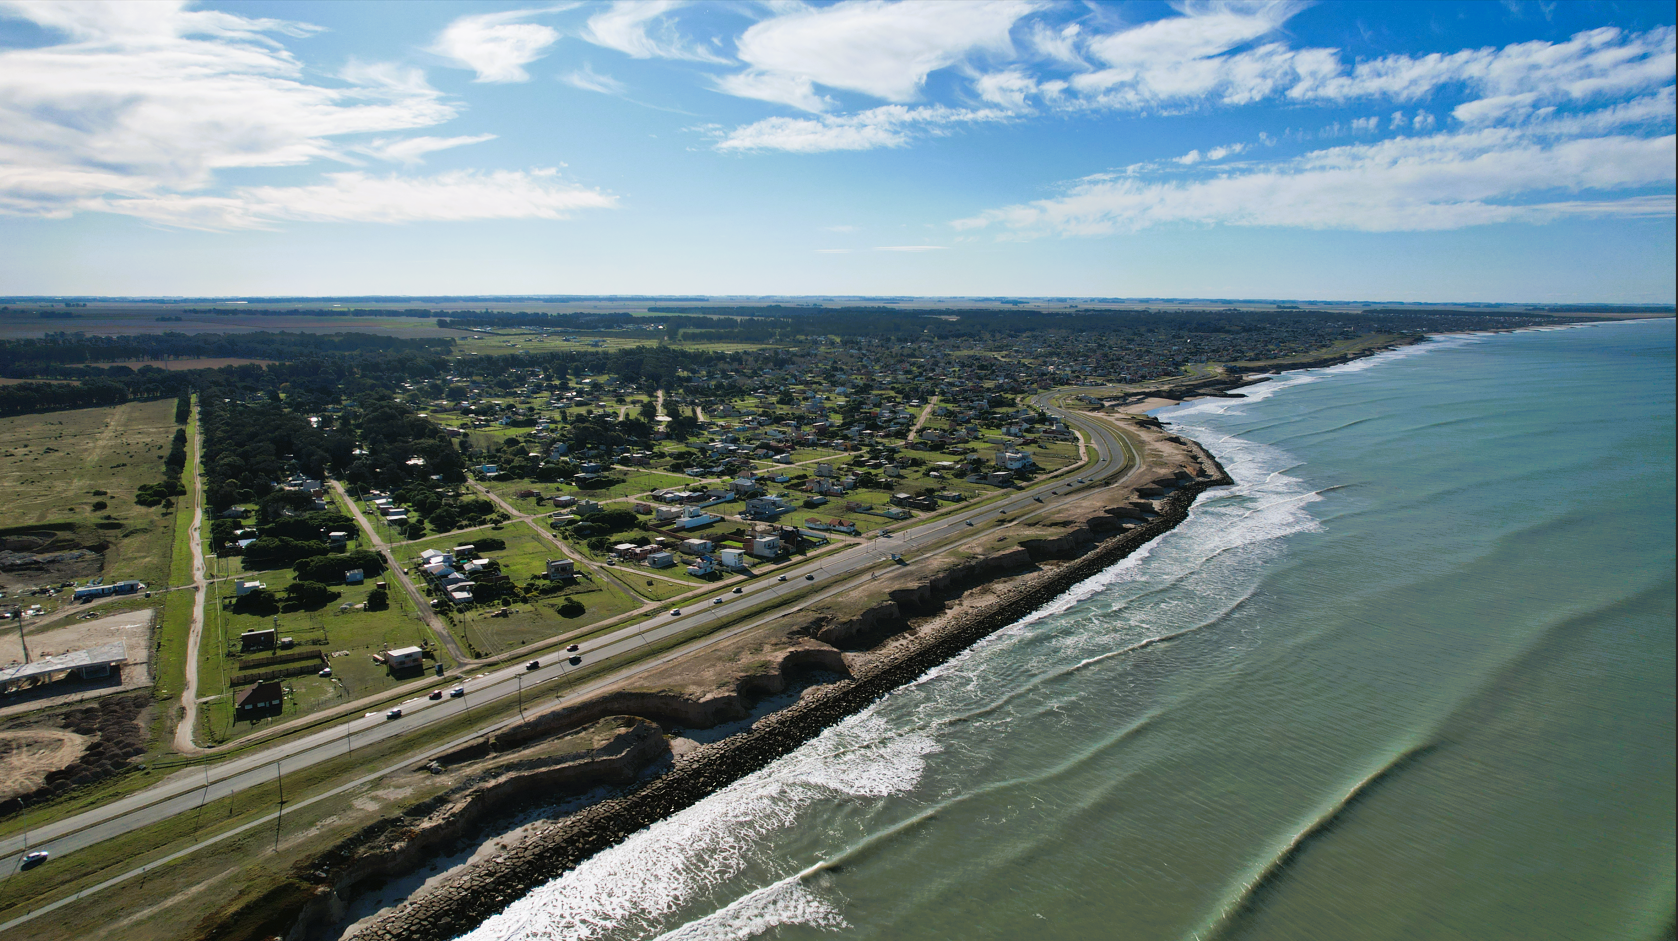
(461,906)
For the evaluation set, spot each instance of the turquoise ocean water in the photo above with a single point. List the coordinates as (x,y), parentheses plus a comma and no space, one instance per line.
(1412,677)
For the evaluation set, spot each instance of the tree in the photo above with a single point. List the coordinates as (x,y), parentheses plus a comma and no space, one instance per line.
(307,594)
(572,608)
(378,599)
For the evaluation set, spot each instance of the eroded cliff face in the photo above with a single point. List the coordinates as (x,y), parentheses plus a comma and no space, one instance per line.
(872,642)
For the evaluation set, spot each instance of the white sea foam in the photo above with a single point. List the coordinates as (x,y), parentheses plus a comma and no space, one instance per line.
(632,888)
(1189,578)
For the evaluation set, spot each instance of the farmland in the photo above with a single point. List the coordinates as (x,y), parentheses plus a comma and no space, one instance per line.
(70,480)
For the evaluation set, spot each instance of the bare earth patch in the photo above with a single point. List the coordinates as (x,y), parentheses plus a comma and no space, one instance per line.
(27,755)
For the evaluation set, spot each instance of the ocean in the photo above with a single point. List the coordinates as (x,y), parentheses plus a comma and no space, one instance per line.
(1411,677)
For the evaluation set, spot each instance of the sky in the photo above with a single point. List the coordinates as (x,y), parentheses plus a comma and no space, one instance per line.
(1483,151)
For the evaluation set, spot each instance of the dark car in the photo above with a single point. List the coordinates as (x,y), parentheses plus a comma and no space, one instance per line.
(533,665)
(738,590)
(576,660)
(573,648)
(457,692)
(810,578)
(435,694)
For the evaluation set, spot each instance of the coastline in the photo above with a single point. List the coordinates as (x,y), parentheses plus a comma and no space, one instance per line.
(487,888)
(450,906)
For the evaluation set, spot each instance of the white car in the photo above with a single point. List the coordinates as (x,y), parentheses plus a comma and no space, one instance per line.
(31,860)
(675,612)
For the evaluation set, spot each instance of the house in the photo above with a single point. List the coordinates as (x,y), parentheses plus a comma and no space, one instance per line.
(94,591)
(337,538)
(661,560)
(258,640)
(733,559)
(1013,460)
(262,699)
(234,513)
(404,658)
(242,587)
(353,577)
(704,566)
(561,568)
(764,547)
(697,546)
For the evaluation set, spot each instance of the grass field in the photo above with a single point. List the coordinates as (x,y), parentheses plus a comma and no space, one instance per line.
(349,638)
(52,464)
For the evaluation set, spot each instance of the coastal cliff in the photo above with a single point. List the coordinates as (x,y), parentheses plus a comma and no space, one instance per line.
(1020,578)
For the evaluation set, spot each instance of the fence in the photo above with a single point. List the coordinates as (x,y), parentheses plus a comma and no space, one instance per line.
(274,661)
(258,677)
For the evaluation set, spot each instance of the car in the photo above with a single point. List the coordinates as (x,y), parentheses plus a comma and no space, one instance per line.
(738,589)
(457,692)
(675,612)
(718,599)
(573,648)
(325,673)
(31,860)
(810,577)
(435,694)
(1038,499)
(886,533)
(970,522)
(781,578)
(576,660)
(533,665)
(394,713)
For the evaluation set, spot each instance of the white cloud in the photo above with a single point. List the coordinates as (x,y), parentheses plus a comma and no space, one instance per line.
(885,126)
(496,45)
(1216,153)
(881,49)
(1445,181)
(1007,89)
(588,79)
(412,150)
(457,196)
(779,87)
(629,27)
(154,99)
(1365,125)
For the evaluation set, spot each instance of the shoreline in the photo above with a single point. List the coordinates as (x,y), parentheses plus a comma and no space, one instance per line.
(487,888)
(454,904)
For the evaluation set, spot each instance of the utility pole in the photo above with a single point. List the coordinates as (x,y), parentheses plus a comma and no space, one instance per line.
(520,678)
(17,615)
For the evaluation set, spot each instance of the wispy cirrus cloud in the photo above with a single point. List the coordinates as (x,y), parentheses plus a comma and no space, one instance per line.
(587,79)
(412,150)
(644,29)
(498,45)
(144,105)
(457,196)
(885,50)
(885,126)
(1445,181)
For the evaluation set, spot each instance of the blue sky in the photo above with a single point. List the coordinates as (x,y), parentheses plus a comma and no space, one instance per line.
(1484,151)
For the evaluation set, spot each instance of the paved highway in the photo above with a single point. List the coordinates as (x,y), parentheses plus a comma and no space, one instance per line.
(191,789)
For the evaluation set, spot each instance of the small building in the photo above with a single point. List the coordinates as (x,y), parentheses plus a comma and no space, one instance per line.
(404,658)
(337,538)
(661,560)
(258,640)
(262,699)
(464,552)
(353,577)
(93,591)
(242,587)
(733,559)
(704,565)
(764,547)
(561,568)
(697,546)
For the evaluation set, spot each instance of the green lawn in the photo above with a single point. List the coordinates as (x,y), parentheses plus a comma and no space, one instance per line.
(349,637)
